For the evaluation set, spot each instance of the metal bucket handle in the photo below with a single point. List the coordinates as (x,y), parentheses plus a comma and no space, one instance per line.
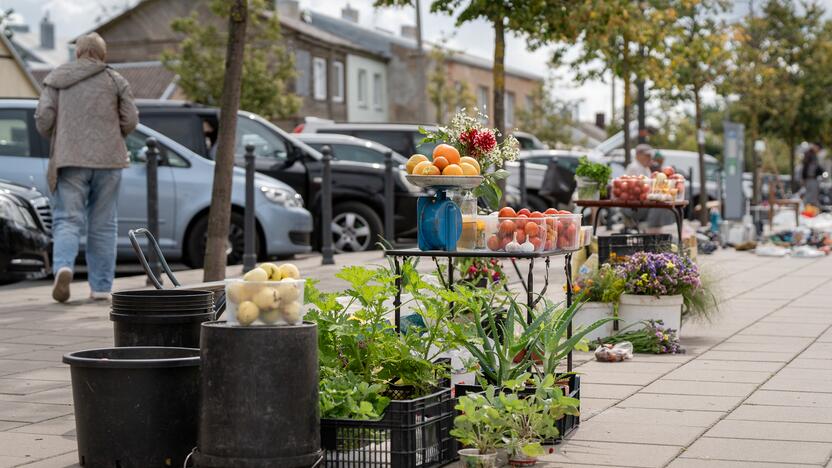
(140,253)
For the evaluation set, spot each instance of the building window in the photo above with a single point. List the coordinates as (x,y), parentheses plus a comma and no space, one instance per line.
(509,109)
(319,78)
(302,65)
(338,81)
(362,87)
(482,102)
(378,91)
(529,103)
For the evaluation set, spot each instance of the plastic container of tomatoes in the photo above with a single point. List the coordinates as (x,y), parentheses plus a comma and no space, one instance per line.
(629,188)
(567,227)
(521,233)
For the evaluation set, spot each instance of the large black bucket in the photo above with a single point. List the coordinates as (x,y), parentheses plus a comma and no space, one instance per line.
(259,401)
(135,407)
(163,317)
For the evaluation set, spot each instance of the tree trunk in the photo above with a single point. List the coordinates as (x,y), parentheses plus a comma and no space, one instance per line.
(499,77)
(700,147)
(627,105)
(219,215)
(790,142)
(641,102)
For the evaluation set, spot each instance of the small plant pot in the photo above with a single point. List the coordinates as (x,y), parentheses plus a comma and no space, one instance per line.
(634,308)
(588,189)
(472,458)
(590,313)
(522,460)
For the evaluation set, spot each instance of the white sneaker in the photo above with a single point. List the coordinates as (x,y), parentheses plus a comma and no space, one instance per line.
(60,289)
(100,296)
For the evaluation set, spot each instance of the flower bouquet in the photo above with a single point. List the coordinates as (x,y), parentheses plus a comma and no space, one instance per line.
(472,139)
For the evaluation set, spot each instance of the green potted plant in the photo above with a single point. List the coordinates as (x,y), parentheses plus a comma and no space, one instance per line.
(601,290)
(592,179)
(480,427)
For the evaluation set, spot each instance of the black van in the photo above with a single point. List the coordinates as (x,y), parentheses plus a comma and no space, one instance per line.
(357,187)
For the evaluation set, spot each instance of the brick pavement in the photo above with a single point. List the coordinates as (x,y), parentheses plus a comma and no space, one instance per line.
(753,390)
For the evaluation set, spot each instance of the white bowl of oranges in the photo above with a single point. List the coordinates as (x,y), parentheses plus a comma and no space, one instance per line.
(446,168)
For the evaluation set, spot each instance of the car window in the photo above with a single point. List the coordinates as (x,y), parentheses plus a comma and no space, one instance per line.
(539,160)
(266,143)
(568,162)
(136,147)
(14,133)
(525,143)
(398,141)
(179,127)
(357,154)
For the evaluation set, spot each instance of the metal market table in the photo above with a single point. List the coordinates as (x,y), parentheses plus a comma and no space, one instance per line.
(399,255)
(677,207)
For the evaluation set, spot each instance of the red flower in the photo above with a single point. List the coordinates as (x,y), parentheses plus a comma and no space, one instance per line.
(467,139)
(485,142)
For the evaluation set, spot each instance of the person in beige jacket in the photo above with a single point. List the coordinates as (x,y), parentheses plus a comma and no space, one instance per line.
(85,110)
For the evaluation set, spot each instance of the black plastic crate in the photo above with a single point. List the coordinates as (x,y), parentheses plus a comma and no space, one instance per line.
(623,245)
(565,425)
(413,433)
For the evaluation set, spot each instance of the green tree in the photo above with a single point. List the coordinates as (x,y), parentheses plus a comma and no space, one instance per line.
(445,95)
(695,58)
(267,66)
(540,22)
(219,215)
(546,117)
(625,37)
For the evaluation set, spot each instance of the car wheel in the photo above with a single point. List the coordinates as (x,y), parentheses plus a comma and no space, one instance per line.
(355,227)
(234,248)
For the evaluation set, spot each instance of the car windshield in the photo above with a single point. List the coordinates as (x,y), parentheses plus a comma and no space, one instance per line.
(711,170)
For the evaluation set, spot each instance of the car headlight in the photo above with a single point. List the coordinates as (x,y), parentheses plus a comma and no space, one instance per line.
(281,196)
(11,210)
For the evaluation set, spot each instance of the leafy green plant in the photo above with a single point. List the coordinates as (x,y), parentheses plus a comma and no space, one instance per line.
(651,336)
(346,395)
(603,285)
(481,424)
(598,172)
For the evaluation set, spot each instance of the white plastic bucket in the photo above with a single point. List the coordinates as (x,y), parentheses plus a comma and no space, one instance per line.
(590,313)
(633,308)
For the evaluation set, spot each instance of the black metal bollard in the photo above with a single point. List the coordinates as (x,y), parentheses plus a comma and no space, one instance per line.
(249,249)
(389,199)
(326,208)
(523,196)
(691,201)
(152,155)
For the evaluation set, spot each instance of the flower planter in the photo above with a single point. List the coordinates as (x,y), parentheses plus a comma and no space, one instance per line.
(668,309)
(590,313)
(471,458)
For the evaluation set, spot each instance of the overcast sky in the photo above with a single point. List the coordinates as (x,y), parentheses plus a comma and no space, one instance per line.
(73,17)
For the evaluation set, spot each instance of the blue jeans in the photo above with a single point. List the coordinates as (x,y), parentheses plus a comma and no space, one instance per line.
(87,198)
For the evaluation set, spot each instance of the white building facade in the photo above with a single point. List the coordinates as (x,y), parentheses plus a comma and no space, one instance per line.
(367,99)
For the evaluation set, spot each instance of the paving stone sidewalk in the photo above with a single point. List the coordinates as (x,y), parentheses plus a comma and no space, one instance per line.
(754,390)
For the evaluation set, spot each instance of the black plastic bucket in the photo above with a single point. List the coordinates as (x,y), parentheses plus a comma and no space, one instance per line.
(135,407)
(259,401)
(160,317)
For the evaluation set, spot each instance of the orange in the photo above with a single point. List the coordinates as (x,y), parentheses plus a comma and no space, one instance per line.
(448,152)
(440,162)
(422,168)
(432,170)
(414,160)
(468,169)
(452,170)
(471,161)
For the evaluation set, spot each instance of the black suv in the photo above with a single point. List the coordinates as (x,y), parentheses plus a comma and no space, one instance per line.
(357,187)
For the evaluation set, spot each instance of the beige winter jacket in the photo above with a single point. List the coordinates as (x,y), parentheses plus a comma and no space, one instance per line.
(86,109)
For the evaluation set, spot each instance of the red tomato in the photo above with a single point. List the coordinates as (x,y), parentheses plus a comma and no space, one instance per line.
(507,226)
(564,212)
(521,221)
(643,196)
(532,229)
(521,235)
(524,211)
(548,245)
(507,212)
(493,243)
(536,242)
(625,186)
(668,171)
(550,211)
(536,214)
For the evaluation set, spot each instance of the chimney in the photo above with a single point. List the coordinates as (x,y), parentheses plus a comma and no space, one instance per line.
(408,31)
(599,120)
(47,33)
(288,8)
(350,14)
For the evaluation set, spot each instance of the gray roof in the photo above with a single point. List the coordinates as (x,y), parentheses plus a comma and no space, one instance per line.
(381,43)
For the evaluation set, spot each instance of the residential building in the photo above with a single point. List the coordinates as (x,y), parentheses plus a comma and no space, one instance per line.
(406,68)
(322,60)
(41,50)
(15,79)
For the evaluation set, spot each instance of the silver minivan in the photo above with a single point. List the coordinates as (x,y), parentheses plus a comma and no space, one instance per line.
(283,226)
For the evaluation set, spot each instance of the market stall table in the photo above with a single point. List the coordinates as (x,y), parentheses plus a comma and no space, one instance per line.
(528,284)
(677,207)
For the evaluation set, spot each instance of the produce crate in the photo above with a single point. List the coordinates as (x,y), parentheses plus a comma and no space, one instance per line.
(565,425)
(623,245)
(412,433)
